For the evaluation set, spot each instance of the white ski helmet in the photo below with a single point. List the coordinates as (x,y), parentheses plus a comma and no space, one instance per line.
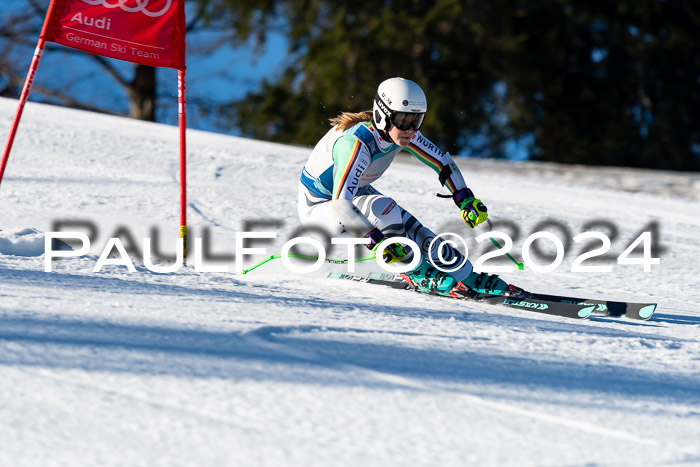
(400,101)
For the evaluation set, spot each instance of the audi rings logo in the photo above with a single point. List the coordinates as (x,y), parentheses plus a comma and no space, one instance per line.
(141,5)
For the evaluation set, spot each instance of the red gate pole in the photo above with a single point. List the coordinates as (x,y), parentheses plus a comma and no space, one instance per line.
(26,89)
(182,120)
(22,100)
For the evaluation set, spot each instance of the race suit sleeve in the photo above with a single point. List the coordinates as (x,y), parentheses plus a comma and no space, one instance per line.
(441,162)
(350,158)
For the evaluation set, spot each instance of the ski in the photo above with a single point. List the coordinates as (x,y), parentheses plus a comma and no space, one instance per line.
(641,311)
(539,305)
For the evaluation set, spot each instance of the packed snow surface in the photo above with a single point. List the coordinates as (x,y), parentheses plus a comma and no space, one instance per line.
(273,368)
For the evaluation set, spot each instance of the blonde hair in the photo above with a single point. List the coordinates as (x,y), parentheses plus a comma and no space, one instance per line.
(349,119)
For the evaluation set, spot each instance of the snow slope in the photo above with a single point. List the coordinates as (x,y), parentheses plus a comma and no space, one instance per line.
(273,368)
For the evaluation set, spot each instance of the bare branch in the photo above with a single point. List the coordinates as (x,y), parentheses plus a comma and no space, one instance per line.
(38,7)
(111,70)
(71,102)
(60,96)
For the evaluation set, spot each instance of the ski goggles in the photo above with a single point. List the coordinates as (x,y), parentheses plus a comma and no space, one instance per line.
(406,120)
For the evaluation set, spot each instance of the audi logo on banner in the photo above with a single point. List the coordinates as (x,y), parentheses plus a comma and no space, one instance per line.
(141,6)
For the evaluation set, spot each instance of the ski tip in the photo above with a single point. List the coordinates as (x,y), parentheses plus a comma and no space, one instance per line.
(647,311)
(586,312)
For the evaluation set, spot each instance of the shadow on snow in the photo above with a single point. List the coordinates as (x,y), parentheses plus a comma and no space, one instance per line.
(292,354)
(296,353)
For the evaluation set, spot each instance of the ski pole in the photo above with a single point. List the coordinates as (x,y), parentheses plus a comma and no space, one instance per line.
(309,257)
(520,266)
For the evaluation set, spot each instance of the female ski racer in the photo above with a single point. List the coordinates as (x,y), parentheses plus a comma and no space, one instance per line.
(336,195)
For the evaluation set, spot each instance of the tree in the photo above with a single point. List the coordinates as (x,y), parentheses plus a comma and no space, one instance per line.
(613,83)
(610,83)
(340,51)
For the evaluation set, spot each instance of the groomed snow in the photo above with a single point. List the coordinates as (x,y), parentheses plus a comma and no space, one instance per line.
(273,368)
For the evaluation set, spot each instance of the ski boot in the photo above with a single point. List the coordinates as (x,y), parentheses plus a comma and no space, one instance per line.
(491,284)
(428,279)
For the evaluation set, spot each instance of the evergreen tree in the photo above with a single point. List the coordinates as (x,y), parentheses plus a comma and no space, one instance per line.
(591,82)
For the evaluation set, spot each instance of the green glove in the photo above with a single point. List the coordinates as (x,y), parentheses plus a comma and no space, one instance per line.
(472,210)
(393,253)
